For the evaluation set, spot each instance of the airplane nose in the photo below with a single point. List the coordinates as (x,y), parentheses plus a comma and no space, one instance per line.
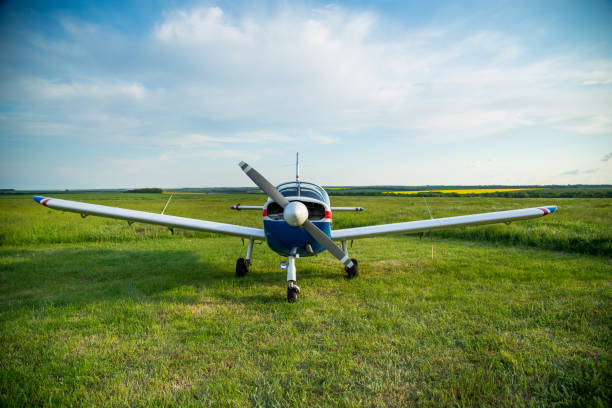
(295,213)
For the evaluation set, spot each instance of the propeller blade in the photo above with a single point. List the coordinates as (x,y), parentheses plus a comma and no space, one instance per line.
(327,243)
(264,184)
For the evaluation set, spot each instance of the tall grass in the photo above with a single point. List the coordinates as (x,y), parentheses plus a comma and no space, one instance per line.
(579,225)
(24,222)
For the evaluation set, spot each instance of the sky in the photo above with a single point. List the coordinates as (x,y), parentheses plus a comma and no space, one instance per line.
(124,94)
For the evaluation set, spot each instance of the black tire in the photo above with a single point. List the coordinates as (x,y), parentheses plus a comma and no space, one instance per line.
(353,271)
(292,295)
(242,267)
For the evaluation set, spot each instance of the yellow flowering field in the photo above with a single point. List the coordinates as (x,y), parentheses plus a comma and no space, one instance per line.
(463,191)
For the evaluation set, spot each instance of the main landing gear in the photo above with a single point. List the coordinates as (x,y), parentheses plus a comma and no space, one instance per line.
(242,264)
(353,271)
(242,267)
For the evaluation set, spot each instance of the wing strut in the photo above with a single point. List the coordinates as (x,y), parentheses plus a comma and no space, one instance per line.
(430,232)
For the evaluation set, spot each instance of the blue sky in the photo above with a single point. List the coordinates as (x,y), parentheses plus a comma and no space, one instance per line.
(175,94)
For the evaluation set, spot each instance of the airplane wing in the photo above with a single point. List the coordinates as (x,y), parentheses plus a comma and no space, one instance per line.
(239,207)
(439,223)
(347,208)
(151,218)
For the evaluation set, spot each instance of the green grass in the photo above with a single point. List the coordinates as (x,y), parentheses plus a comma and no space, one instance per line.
(106,314)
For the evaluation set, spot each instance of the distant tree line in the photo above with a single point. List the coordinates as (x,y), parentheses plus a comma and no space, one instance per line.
(145,190)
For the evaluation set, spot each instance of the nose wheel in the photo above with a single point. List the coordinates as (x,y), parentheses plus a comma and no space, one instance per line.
(292,289)
(292,292)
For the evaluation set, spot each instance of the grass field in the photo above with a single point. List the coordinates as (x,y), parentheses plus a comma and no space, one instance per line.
(95,312)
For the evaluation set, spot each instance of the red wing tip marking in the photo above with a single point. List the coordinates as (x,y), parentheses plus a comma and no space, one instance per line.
(41,200)
(548,210)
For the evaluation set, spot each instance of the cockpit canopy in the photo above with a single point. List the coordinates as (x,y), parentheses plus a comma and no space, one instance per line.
(316,210)
(305,189)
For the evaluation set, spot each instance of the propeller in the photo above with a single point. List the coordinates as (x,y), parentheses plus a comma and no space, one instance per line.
(296,214)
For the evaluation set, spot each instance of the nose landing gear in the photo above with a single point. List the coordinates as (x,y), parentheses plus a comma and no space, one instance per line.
(292,289)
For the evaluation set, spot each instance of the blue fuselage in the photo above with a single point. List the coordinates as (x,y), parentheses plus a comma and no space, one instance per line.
(283,238)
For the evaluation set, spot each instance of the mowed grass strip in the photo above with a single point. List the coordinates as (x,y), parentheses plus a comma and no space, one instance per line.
(150,321)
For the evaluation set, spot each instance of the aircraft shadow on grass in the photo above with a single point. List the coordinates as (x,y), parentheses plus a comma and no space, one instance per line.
(76,276)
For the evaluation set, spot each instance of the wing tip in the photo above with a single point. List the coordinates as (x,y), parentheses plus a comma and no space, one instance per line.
(549,209)
(38,199)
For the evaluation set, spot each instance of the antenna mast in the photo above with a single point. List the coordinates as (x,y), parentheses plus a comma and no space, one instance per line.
(297,172)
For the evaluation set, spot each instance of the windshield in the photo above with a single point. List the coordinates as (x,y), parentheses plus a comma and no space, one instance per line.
(310,190)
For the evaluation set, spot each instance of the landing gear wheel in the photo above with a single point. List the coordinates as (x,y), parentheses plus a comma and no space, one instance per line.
(353,271)
(292,293)
(242,267)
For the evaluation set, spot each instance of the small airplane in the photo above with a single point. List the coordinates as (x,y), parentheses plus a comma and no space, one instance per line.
(297,220)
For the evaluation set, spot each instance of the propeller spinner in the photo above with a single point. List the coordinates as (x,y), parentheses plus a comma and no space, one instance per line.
(295,213)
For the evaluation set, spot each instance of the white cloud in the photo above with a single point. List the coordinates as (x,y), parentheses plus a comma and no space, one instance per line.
(200,26)
(577,172)
(595,125)
(322,72)
(332,70)
(226,154)
(43,89)
(322,139)
(194,140)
